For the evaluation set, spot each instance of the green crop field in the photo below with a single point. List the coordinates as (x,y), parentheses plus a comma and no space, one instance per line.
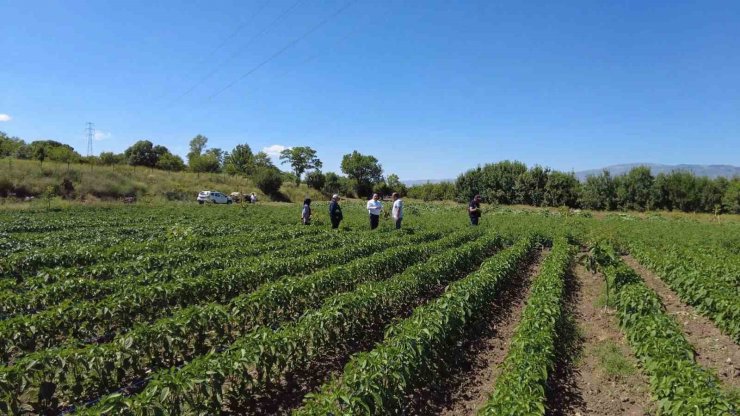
(183,309)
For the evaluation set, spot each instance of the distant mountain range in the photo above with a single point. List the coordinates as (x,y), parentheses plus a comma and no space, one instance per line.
(710,171)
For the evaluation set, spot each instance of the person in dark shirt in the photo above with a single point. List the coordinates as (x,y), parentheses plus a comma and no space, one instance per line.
(335,211)
(306,212)
(474,210)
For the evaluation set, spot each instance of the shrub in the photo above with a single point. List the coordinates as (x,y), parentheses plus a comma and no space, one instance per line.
(268,180)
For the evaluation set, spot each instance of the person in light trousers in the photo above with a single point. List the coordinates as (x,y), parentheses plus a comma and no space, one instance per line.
(397,211)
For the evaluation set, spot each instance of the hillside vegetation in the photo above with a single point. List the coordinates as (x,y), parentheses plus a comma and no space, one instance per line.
(23,178)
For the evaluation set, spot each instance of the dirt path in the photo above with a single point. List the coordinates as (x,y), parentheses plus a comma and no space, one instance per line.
(597,373)
(714,350)
(466,388)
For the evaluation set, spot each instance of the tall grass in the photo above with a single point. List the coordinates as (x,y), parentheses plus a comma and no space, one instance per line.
(30,178)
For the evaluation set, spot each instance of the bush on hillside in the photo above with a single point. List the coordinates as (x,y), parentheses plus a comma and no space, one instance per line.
(268,180)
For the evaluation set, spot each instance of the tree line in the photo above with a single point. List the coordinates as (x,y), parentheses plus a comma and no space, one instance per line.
(363,174)
(507,182)
(510,182)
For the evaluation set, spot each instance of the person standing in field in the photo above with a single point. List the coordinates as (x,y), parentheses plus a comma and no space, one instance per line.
(474,210)
(253,198)
(374,206)
(335,211)
(397,211)
(306,212)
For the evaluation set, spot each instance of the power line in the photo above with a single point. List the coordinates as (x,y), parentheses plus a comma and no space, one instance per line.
(284,48)
(236,31)
(235,54)
(225,41)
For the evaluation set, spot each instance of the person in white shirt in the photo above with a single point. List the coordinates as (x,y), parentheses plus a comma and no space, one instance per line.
(397,211)
(374,206)
(253,198)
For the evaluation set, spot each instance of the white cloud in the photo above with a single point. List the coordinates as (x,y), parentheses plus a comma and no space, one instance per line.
(274,150)
(5,117)
(102,135)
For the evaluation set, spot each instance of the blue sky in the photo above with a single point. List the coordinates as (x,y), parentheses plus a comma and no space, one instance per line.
(431,88)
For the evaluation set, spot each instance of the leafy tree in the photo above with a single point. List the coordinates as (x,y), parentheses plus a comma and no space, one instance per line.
(65,154)
(197,145)
(731,199)
(599,192)
(301,158)
(207,162)
(682,190)
(110,158)
(171,162)
(433,191)
(240,161)
(262,160)
(562,190)
(334,184)
(711,193)
(495,182)
(315,179)
(363,171)
(529,186)
(268,180)
(25,151)
(381,188)
(635,189)
(141,153)
(9,146)
(53,150)
(499,180)
(39,153)
(469,184)
(201,160)
(395,185)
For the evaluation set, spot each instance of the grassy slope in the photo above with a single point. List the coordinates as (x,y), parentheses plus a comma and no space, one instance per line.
(115,182)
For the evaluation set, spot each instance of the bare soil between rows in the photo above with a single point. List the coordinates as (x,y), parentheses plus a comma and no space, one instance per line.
(282,398)
(714,350)
(473,371)
(581,385)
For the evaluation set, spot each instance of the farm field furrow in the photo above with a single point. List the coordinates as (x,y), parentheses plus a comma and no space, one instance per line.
(714,350)
(183,309)
(378,381)
(718,297)
(680,385)
(465,382)
(24,266)
(151,269)
(600,375)
(521,387)
(264,357)
(195,330)
(85,320)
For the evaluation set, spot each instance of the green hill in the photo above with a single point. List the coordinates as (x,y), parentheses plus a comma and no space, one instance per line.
(26,178)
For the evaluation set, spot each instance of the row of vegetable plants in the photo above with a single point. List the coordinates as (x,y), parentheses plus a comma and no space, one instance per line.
(262,357)
(118,266)
(415,350)
(680,385)
(145,270)
(80,373)
(18,242)
(716,298)
(91,320)
(84,218)
(21,266)
(521,388)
